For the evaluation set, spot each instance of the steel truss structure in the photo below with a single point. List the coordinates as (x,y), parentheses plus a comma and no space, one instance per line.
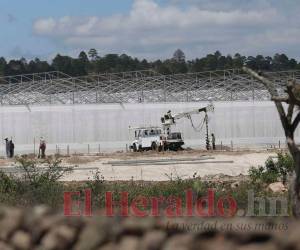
(136,87)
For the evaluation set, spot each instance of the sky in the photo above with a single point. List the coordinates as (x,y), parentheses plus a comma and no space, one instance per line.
(151,29)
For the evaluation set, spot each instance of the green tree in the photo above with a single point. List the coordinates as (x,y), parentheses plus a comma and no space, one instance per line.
(222,61)
(179,56)
(83,57)
(83,63)
(280,62)
(36,66)
(93,54)
(161,67)
(111,62)
(292,64)
(16,67)
(2,65)
(238,60)
(211,62)
(63,64)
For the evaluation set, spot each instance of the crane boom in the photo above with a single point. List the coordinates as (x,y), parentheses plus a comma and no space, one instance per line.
(170,119)
(196,111)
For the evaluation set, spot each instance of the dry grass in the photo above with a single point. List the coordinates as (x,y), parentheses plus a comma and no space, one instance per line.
(78,159)
(5,162)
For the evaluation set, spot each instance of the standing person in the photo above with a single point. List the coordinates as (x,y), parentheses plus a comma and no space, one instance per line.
(7,148)
(213,141)
(42,148)
(11,148)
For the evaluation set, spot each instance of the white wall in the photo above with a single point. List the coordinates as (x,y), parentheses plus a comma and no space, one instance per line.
(107,124)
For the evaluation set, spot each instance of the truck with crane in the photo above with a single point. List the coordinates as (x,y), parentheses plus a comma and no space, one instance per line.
(163,138)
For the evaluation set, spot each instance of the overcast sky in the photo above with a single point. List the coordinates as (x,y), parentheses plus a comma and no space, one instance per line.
(149,29)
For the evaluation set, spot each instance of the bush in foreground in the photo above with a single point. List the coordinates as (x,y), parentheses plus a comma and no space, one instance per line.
(35,182)
(273,171)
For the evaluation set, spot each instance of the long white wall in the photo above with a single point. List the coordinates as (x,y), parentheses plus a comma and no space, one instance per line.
(107,124)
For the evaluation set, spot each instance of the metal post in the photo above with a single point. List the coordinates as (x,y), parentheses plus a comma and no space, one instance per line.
(34,146)
(99,148)
(98,88)
(187,96)
(68,150)
(88,149)
(252,88)
(73,93)
(231,145)
(165,97)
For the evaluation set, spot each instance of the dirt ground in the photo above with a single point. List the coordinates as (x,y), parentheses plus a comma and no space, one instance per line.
(165,166)
(154,166)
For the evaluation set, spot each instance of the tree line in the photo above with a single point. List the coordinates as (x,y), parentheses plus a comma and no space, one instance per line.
(92,62)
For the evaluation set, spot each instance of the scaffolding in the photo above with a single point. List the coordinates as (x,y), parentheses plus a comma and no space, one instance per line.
(145,86)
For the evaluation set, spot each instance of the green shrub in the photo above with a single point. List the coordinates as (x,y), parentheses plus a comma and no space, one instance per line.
(36,173)
(273,170)
(97,183)
(7,183)
(285,164)
(36,182)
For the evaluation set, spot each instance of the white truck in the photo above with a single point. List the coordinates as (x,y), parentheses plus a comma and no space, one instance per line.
(162,138)
(147,138)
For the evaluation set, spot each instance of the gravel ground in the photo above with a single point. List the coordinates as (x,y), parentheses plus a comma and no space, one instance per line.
(231,163)
(159,166)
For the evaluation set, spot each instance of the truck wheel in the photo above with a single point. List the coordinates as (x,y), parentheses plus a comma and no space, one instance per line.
(140,148)
(153,146)
(134,147)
